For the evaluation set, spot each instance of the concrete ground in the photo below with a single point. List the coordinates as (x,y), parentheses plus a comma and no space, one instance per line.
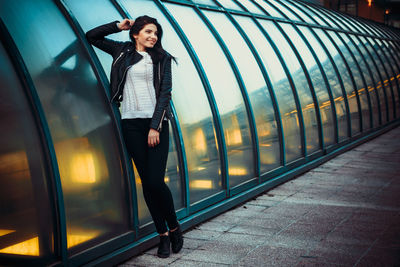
(345,212)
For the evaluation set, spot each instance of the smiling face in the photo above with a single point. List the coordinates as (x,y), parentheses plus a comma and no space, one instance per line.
(146,38)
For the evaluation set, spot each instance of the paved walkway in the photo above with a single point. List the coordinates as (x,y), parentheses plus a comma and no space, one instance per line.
(345,212)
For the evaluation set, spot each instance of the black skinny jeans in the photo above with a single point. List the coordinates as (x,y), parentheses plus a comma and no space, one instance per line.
(151,163)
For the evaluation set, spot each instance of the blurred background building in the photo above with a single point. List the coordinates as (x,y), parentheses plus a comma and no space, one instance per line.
(383,11)
(263,90)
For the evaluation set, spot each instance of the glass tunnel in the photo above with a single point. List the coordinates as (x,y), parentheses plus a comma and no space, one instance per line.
(263,90)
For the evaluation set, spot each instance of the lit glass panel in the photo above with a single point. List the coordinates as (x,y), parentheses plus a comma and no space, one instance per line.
(256,88)
(270,10)
(317,80)
(390,76)
(198,130)
(301,85)
(283,9)
(298,11)
(368,79)
(230,4)
(108,13)
(307,10)
(362,92)
(375,75)
(346,79)
(79,119)
(205,2)
(395,59)
(281,87)
(251,7)
(26,215)
(333,82)
(79,8)
(226,92)
(386,88)
(322,15)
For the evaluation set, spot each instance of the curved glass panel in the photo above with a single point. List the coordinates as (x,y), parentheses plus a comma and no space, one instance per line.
(333,82)
(106,13)
(318,83)
(346,79)
(378,89)
(386,88)
(370,90)
(299,12)
(284,10)
(205,2)
(80,10)
(79,119)
(251,7)
(310,13)
(362,93)
(281,87)
(301,85)
(26,214)
(226,92)
(272,11)
(230,4)
(256,88)
(198,130)
(322,15)
(394,57)
(392,96)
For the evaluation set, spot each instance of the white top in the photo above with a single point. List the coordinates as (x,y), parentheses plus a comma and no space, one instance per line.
(139,97)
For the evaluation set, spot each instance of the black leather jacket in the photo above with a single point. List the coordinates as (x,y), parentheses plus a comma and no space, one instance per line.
(124,55)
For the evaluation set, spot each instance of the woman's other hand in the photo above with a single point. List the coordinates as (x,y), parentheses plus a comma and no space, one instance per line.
(126,24)
(154,138)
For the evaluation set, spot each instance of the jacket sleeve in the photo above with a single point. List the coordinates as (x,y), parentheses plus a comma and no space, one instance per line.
(96,37)
(164,98)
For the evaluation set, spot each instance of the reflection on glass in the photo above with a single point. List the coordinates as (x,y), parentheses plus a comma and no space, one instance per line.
(317,80)
(256,88)
(301,85)
(193,110)
(362,93)
(226,92)
(346,79)
(393,56)
(281,87)
(308,11)
(80,124)
(205,2)
(298,11)
(283,9)
(333,82)
(382,86)
(388,74)
(370,89)
(251,7)
(230,4)
(26,217)
(272,11)
(105,13)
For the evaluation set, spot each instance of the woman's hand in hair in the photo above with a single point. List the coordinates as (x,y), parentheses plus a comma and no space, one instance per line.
(126,24)
(154,138)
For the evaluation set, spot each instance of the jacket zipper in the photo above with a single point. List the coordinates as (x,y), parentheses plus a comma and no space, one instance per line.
(160,125)
(119,85)
(117,58)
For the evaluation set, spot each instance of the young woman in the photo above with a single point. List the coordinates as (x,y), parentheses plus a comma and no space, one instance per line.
(141,83)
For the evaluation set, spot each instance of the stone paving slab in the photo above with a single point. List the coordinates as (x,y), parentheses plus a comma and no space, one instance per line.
(346,212)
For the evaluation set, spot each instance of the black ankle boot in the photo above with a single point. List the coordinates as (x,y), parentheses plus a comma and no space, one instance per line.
(164,247)
(176,239)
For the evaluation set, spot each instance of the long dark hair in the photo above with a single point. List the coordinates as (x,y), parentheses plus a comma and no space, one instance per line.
(157,52)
